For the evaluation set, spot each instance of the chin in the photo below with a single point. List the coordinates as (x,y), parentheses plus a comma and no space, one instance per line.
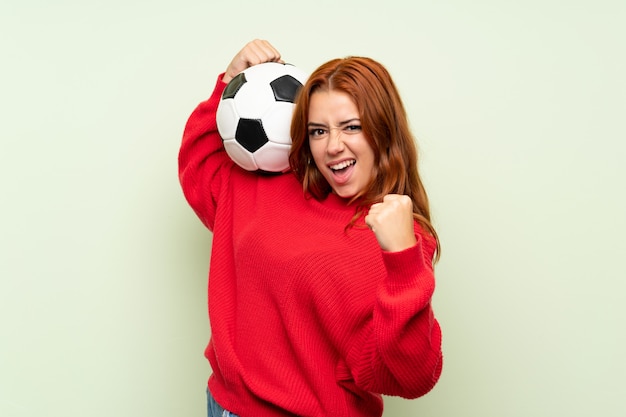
(344,194)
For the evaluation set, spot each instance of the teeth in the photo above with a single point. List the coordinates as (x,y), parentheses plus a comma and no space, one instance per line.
(342,165)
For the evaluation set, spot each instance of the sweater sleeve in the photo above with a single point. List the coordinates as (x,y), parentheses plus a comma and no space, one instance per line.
(203,164)
(399,351)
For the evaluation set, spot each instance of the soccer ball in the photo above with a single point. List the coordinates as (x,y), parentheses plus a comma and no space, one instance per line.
(254,116)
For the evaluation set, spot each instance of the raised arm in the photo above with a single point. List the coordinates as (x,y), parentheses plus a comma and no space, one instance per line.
(203,164)
(399,352)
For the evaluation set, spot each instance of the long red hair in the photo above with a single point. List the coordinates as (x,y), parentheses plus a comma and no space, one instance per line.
(385,125)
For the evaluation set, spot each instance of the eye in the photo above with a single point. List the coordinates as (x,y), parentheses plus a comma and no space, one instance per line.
(352,129)
(317,133)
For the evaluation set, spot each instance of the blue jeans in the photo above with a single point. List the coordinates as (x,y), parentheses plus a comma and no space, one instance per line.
(214,409)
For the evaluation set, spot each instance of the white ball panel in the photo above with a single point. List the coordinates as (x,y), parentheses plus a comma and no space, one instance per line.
(277,122)
(253,99)
(227,119)
(273,157)
(264,73)
(241,156)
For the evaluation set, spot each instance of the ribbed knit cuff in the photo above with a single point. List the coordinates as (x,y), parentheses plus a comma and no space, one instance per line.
(404,267)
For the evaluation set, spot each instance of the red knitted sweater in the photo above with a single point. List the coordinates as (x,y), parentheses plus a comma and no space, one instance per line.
(308,318)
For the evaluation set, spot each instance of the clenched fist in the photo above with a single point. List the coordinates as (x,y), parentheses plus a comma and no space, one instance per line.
(254,52)
(392,222)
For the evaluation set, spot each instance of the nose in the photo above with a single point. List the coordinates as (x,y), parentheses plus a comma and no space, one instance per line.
(335,143)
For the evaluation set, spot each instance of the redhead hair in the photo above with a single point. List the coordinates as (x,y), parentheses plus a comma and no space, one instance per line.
(385,125)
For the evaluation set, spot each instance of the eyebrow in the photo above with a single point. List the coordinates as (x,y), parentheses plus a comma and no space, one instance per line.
(341,124)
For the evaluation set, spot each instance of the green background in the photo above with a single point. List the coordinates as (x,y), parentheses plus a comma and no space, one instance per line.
(519,110)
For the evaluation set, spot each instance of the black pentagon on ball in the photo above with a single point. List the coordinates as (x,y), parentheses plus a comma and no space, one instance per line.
(250,134)
(285,88)
(234,85)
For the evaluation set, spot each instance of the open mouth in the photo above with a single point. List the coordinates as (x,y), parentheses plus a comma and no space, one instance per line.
(342,166)
(342,171)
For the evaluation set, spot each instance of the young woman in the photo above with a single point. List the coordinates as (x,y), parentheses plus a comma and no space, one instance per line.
(321,278)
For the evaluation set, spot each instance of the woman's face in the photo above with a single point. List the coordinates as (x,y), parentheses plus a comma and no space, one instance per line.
(338,145)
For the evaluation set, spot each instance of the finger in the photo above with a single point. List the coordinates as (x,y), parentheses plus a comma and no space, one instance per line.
(374,211)
(272,53)
(399,200)
(396,197)
(253,53)
(262,51)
